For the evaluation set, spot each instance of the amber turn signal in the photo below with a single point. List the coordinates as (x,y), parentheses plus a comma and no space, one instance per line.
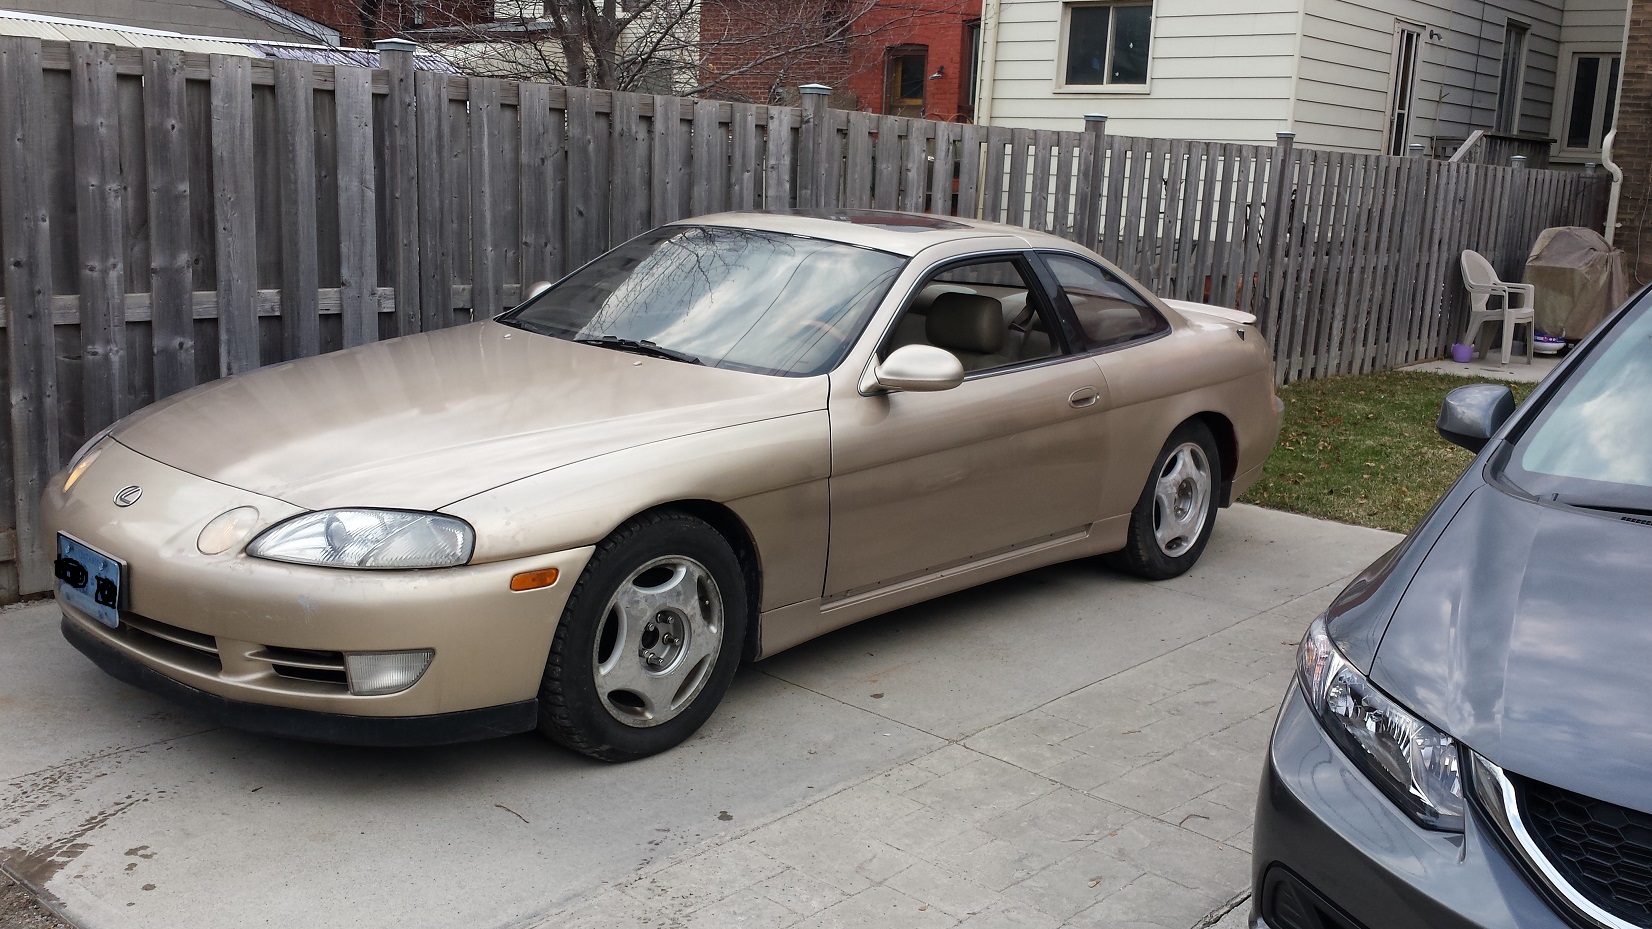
(533,580)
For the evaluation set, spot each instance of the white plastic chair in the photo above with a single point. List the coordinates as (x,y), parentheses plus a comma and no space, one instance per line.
(1481,280)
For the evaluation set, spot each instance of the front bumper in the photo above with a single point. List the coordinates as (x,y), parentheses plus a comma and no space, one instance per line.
(1332,852)
(254,632)
(437,729)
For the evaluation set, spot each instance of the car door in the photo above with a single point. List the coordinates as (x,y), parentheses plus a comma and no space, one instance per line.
(1010,457)
(1122,333)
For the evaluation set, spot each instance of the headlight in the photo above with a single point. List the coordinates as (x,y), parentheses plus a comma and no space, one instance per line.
(1416,765)
(368,539)
(84,457)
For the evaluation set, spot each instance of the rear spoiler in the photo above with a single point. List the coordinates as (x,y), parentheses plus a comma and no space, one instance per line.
(1206,309)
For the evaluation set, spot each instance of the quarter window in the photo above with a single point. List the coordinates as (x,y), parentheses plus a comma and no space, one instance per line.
(1107,43)
(1109,312)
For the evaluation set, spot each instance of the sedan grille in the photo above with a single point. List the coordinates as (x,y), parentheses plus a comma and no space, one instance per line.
(1603,850)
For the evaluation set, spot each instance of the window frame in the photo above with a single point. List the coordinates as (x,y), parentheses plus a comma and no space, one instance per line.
(1033,273)
(1060,84)
(1569,55)
(1070,322)
(1512,106)
(894,70)
(1391,139)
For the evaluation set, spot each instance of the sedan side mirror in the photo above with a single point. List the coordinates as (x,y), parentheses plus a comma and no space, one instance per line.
(1471,415)
(914,367)
(535,289)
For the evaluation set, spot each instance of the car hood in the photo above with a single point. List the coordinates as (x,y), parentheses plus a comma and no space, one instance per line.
(422,421)
(1525,634)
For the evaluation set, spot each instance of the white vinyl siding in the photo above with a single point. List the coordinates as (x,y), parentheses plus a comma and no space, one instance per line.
(1347,50)
(1218,70)
(1242,70)
(1589,27)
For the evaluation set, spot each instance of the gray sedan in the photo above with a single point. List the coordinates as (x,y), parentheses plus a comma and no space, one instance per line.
(1469,738)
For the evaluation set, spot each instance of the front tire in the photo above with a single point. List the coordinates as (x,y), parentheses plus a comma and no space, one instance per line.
(648,642)
(1174,516)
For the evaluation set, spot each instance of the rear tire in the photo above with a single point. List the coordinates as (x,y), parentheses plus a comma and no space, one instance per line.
(1176,512)
(648,642)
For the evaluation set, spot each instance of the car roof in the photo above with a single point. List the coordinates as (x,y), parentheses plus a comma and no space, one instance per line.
(889,231)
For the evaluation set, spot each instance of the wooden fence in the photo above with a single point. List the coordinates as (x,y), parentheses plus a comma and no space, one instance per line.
(167,219)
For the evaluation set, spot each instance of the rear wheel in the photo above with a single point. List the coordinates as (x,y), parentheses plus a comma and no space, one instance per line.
(1176,512)
(648,642)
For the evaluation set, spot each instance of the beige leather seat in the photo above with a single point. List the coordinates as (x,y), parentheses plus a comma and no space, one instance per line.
(1025,338)
(970,326)
(910,329)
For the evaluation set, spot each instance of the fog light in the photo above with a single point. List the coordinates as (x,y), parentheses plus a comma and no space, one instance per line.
(227,530)
(377,673)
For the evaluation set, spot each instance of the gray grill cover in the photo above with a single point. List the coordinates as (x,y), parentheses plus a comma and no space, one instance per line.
(1579,279)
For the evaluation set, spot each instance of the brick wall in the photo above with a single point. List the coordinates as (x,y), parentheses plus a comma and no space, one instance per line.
(1633,148)
(362,21)
(738,35)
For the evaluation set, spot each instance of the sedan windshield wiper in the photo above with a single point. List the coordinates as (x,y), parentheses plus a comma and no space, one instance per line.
(1602,506)
(640,347)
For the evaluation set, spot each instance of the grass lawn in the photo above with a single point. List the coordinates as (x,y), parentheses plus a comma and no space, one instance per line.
(1363,449)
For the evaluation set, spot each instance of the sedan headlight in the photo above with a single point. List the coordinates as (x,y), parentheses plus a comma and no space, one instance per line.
(368,539)
(1416,765)
(84,456)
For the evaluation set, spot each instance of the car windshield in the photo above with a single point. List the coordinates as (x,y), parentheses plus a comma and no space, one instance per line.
(742,299)
(1592,444)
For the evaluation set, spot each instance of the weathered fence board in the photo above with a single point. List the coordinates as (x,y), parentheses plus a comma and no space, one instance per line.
(172,217)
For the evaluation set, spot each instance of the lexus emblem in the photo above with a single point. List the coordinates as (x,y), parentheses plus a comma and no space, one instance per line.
(128,495)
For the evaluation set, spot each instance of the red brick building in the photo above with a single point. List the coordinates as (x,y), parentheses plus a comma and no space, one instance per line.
(906,57)
(360,22)
(1633,148)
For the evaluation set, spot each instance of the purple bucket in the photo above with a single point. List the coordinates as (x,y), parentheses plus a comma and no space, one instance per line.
(1462,353)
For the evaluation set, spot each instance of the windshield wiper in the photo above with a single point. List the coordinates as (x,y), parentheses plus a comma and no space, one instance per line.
(640,347)
(1602,506)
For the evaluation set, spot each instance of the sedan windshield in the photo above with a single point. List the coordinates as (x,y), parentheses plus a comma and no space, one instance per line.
(742,299)
(1592,444)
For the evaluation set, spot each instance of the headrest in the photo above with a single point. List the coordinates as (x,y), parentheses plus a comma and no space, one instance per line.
(966,323)
(926,297)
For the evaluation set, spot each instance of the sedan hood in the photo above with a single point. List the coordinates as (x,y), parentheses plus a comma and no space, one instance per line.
(422,421)
(1526,634)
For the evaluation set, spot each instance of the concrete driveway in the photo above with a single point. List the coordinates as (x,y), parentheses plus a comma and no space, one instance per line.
(1068,747)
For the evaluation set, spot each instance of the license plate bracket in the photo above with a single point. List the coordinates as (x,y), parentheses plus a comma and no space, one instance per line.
(89,580)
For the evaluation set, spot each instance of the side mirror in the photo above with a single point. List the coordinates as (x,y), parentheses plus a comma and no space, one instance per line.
(916,368)
(535,289)
(1471,415)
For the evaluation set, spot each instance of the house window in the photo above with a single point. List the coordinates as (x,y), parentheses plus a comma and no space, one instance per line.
(1511,83)
(906,75)
(1592,100)
(1403,89)
(1107,43)
(972,55)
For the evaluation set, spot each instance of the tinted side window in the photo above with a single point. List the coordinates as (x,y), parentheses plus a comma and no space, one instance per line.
(1109,312)
(978,311)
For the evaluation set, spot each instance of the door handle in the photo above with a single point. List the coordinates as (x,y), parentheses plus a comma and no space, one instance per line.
(1083,397)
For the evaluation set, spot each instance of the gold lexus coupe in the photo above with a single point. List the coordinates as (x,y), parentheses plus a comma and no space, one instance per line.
(723,438)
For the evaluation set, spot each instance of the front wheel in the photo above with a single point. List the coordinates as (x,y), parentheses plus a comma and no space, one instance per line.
(648,642)
(1176,512)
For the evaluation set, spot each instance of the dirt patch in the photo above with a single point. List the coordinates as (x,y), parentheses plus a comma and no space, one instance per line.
(20,910)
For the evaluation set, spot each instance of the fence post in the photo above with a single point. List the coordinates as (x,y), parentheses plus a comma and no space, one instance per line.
(811,161)
(1090,171)
(401,168)
(31,355)
(1514,250)
(1280,189)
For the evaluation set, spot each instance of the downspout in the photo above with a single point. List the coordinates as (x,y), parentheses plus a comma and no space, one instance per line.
(1606,143)
(988,69)
(1617,181)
